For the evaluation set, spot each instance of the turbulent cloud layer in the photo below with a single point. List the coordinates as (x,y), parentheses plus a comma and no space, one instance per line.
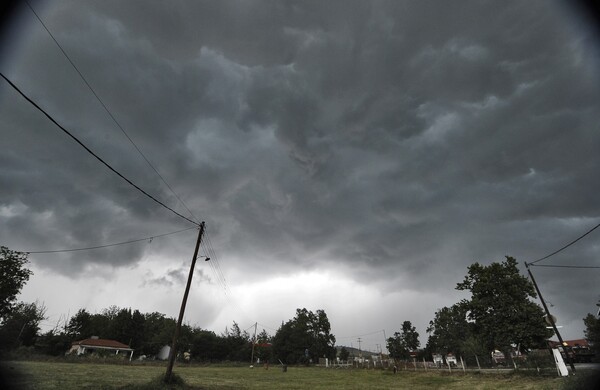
(385,144)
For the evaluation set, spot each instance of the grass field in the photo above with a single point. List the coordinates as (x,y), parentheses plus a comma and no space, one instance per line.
(60,375)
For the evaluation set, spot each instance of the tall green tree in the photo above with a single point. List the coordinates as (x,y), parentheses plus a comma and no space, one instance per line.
(404,342)
(501,306)
(157,332)
(54,342)
(120,326)
(82,326)
(448,330)
(13,276)
(344,354)
(396,347)
(263,348)
(410,336)
(304,338)
(237,344)
(22,325)
(206,346)
(592,333)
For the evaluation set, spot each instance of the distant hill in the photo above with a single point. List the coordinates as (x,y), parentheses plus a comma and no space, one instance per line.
(354,352)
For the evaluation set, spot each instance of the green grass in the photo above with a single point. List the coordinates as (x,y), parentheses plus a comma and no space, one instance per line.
(64,375)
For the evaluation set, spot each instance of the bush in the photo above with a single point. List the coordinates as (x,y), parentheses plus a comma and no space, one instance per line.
(540,358)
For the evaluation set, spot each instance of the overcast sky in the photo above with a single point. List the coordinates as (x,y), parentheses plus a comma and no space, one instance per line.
(351,156)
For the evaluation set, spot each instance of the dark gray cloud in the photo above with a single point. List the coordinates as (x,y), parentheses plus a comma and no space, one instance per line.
(376,138)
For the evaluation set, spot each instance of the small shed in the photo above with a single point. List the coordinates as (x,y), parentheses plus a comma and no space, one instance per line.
(94,344)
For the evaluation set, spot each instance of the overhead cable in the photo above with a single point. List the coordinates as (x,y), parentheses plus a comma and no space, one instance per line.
(218,272)
(565,266)
(217,264)
(94,154)
(360,335)
(267,327)
(566,246)
(108,111)
(109,245)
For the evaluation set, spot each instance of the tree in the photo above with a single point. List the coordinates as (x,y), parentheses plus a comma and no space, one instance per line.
(80,325)
(402,343)
(153,339)
(237,344)
(500,307)
(263,348)
(13,276)
(119,326)
(448,330)
(396,347)
(410,336)
(136,329)
(592,333)
(206,346)
(304,338)
(54,342)
(344,354)
(21,325)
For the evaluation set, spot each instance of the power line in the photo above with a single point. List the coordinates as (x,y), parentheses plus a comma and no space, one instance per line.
(107,110)
(360,335)
(109,245)
(565,266)
(566,246)
(250,327)
(215,265)
(94,154)
(267,327)
(218,272)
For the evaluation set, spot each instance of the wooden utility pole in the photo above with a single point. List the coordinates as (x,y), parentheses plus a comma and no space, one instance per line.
(564,345)
(253,344)
(173,351)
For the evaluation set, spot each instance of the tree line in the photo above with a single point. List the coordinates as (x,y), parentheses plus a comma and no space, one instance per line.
(302,339)
(499,315)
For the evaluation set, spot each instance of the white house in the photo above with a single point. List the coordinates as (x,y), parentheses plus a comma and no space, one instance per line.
(94,344)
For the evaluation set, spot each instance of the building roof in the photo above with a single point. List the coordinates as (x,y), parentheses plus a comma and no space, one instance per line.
(101,343)
(572,343)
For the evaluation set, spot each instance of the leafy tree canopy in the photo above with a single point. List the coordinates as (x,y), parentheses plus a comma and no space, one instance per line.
(404,342)
(305,337)
(500,307)
(344,354)
(592,333)
(21,325)
(448,330)
(13,276)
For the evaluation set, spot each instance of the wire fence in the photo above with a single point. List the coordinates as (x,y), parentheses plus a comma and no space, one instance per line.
(536,360)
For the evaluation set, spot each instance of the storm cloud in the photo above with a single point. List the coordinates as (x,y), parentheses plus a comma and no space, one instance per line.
(376,147)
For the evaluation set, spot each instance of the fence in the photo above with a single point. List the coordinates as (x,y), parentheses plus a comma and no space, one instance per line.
(535,360)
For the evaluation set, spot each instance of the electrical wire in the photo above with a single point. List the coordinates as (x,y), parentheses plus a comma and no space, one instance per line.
(360,335)
(267,327)
(566,246)
(215,265)
(108,111)
(565,266)
(92,153)
(250,327)
(218,272)
(214,260)
(108,245)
